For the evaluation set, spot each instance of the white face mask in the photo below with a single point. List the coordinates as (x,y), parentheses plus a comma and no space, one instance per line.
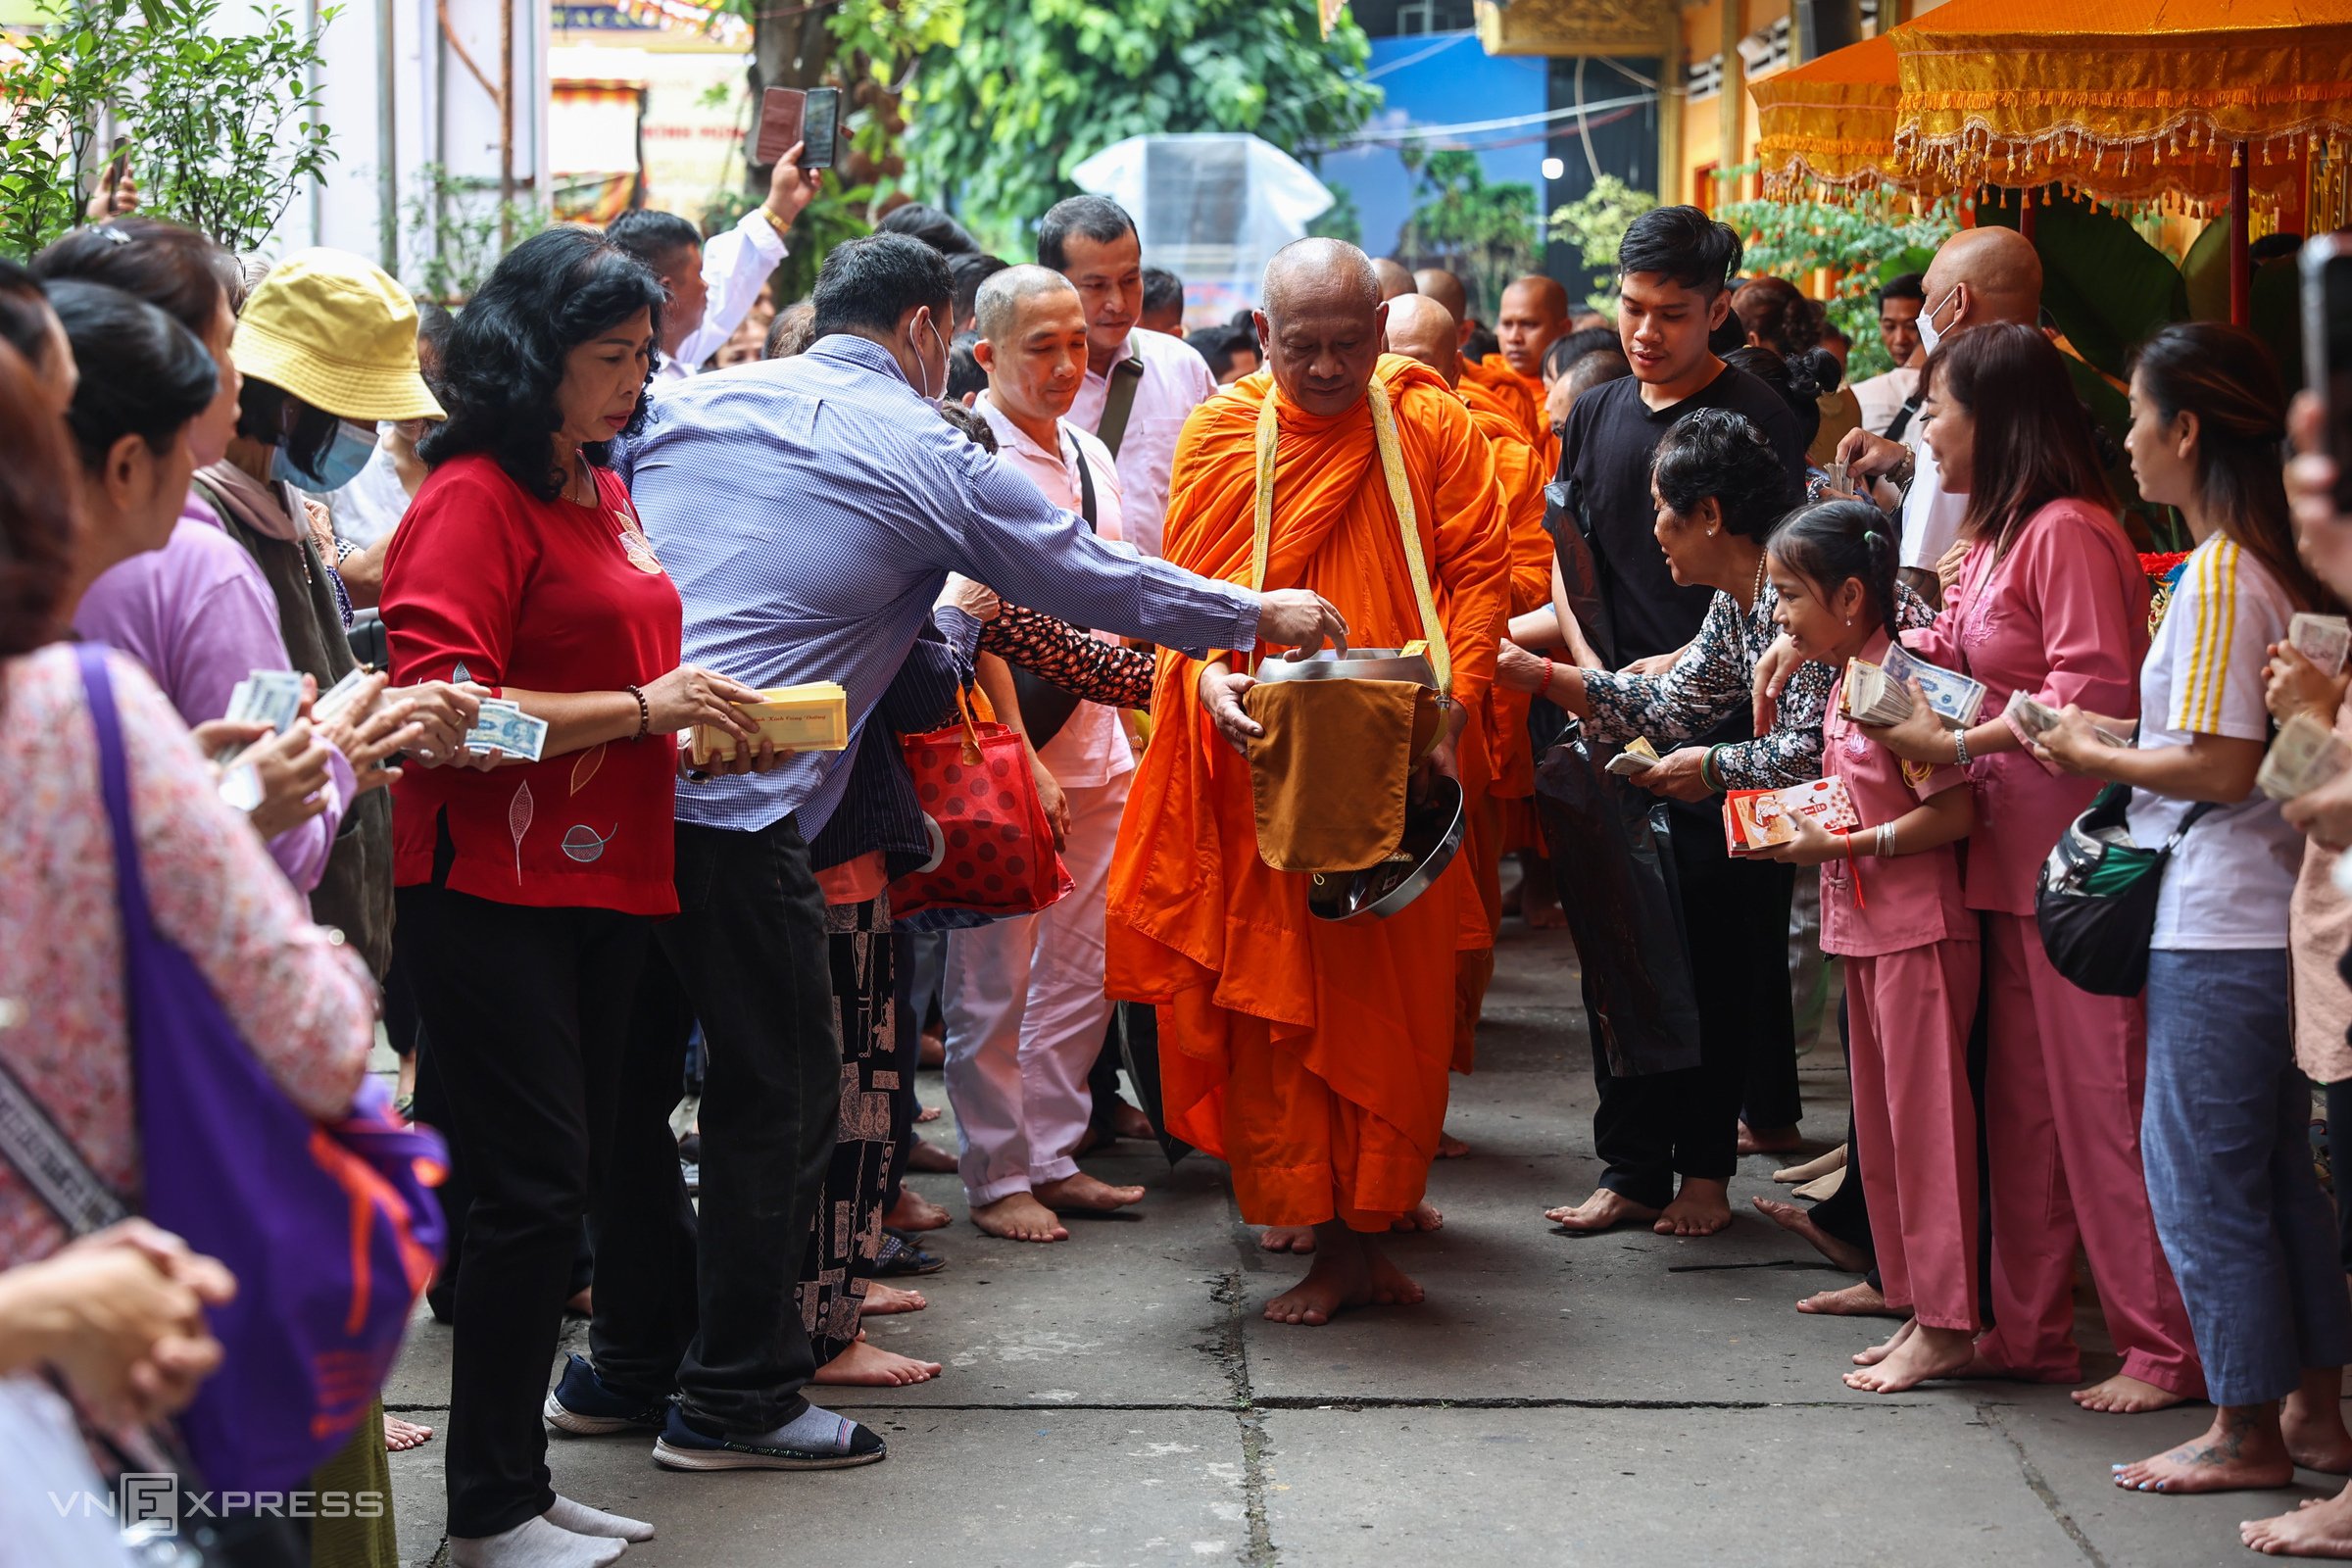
(1927,335)
(946,365)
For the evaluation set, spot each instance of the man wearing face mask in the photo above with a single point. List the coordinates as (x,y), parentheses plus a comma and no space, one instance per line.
(808,511)
(1978,275)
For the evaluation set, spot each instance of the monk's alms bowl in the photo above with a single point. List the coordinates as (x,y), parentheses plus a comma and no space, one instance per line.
(1359,663)
(1433,833)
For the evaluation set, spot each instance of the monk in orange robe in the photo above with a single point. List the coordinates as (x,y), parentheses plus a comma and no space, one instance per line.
(1311,1055)
(1420,328)
(1489,385)
(1534,317)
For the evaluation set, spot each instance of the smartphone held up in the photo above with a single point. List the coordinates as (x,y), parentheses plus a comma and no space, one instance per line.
(812,118)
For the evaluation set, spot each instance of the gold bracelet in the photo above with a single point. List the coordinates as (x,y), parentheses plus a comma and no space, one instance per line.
(783,230)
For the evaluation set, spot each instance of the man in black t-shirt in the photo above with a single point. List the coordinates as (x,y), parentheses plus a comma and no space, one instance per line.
(1674,274)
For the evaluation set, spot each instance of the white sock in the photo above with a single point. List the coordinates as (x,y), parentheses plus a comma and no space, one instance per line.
(582,1520)
(535,1543)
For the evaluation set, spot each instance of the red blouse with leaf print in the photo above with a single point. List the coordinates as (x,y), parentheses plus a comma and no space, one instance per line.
(486,582)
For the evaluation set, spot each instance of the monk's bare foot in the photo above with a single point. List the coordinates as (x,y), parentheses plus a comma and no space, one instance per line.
(1019,1217)
(2122,1396)
(916,1212)
(932,1050)
(1605,1209)
(1349,1271)
(1891,1344)
(1299,1238)
(1129,1122)
(1701,1208)
(929,1158)
(2242,1451)
(1769,1140)
(1450,1147)
(402,1435)
(928,1113)
(1798,1222)
(1855,1301)
(1081,1190)
(1925,1354)
(886,1301)
(868,1366)
(2320,1528)
(2313,1423)
(1422,1216)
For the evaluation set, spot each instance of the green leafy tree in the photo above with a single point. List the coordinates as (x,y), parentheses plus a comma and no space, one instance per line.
(457,229)
(221,125)
(1483,233)
(1860,246)
(1034,87)
(56,92)
(227,124)
(1596,224)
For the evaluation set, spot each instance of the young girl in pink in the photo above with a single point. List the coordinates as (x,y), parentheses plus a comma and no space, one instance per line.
(1891,907)
(2048,600)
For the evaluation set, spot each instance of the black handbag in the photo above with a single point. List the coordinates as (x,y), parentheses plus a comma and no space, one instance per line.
(2095,901)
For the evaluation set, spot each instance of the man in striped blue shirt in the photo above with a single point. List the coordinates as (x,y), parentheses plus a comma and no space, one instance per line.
(808,511)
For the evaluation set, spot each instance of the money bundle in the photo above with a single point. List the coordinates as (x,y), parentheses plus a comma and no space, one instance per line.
(2038,718)
(339,696)
(271,696)
(1879,694)
(502,726)
(2322,639)
(2306,755)
(1639,756)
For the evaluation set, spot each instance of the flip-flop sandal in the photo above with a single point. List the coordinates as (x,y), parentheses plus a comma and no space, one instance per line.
(902,1258)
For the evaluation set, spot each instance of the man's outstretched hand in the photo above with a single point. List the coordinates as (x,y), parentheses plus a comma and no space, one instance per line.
(1300,620)
(1220,690)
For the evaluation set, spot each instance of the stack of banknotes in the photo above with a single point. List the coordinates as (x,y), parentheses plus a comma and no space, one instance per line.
(505,728)
(2306,755)
(1879,694)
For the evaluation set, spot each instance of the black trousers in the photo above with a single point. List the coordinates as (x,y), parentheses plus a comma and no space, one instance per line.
(2339,1162)
(525,1012)
(1735,921)
(705,1306)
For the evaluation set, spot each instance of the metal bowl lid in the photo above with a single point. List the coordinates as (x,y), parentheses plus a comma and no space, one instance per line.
(1359,663)
(1433,834)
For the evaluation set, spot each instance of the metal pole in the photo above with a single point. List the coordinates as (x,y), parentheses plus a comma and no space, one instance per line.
(387,128)
(505,122)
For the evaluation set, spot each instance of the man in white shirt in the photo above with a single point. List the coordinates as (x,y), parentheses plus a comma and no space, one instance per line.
(1978,275)
(713,287)
(1025,1007)
(1139,386)
(1882,396)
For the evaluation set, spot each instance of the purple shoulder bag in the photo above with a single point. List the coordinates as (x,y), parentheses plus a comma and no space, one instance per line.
(330,1228)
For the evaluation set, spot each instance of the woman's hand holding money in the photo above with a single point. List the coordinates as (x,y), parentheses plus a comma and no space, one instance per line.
(443,712)
(2072,745)
(1679,775)
(2296,685)
(1919,736)
(292,769)
(687,697)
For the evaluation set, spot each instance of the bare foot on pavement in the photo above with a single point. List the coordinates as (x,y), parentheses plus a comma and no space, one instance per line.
(1604,1211)
(868,1366)
(1701,1208)
(1798,1222)
(1085,1192)
(2237,1452)
(1019,1217)
(886,1301)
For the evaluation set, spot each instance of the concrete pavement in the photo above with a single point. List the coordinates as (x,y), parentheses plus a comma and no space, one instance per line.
(1626,1399)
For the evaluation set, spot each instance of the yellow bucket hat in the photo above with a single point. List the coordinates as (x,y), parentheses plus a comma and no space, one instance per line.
(335,331)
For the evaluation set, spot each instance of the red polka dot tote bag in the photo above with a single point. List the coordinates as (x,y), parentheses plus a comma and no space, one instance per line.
(992,849)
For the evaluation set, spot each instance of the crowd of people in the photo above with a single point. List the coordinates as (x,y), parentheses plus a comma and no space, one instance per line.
(668,1006)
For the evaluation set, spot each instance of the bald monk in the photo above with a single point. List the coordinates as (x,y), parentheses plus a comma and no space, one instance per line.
(1491,383)
(1311,1055)
(1533,316)
(1394,280)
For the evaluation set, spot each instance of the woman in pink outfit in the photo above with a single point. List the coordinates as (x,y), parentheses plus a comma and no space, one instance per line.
(1891,907)
(2049,601)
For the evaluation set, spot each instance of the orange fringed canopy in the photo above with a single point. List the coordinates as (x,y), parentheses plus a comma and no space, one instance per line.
(2126,101)
(1827,127)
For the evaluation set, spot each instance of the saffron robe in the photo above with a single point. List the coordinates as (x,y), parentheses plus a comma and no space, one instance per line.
(1311,1055)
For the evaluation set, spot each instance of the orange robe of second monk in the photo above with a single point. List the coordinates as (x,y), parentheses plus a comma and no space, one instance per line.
(1492,385)
(1311,1055)
(1519,478)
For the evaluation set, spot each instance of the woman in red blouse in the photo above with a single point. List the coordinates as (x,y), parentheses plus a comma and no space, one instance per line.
(527,890)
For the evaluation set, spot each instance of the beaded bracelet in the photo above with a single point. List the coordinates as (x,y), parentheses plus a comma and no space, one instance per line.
(644,714)
(1959,747)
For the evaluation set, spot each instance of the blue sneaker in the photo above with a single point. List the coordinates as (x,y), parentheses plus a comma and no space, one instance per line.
(582,1406)
(840,1444)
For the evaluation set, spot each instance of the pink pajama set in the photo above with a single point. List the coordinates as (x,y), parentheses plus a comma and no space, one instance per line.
(1913,963)
(2062,616)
